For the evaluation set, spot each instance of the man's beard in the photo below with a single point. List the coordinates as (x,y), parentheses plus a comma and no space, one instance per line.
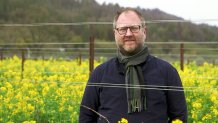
(130,53)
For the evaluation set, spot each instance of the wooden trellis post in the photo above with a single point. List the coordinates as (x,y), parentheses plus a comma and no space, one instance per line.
(1,54)
(79,59)
(22,62)
(182,56)
(91,54)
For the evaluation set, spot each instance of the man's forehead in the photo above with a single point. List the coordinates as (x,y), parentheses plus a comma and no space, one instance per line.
(128,14)
(128,19)
(127,24)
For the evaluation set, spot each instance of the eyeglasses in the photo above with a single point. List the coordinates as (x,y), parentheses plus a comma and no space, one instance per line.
(133,29)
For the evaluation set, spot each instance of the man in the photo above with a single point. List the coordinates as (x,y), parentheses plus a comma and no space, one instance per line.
(135,85)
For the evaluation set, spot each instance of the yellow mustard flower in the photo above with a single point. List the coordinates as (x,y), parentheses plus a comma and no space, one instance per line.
(177,121)
(123,120)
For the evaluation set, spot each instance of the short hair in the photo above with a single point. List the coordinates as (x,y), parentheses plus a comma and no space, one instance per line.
(126,10)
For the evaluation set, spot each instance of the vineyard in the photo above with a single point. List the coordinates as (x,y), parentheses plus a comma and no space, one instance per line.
(48,48)
(51,90)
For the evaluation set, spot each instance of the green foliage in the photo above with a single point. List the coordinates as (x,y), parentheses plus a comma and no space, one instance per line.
(75,11)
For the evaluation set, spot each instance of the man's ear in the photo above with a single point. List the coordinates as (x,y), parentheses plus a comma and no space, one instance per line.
(145,30)
(114,31)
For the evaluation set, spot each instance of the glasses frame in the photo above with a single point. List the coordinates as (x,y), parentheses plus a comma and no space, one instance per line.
(125,28)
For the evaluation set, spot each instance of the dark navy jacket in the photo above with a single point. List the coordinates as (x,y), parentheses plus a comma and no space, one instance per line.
(163,104)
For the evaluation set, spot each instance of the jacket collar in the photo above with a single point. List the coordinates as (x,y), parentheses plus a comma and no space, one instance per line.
(121,69)
(120,66)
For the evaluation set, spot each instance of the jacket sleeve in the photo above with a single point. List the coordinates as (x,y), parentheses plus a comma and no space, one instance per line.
(90,101)
(176,102)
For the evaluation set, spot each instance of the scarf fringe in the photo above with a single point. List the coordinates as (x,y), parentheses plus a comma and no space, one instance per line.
(136,105)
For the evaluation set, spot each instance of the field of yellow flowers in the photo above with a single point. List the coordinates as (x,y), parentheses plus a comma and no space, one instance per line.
(51,90)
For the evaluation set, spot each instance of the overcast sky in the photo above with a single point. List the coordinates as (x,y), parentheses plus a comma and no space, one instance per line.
(195,10)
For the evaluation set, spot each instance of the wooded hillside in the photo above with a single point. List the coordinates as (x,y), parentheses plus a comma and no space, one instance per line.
(76,11)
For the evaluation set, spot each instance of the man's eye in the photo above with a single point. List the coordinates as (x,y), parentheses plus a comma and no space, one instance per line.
(134,27)
(122,29)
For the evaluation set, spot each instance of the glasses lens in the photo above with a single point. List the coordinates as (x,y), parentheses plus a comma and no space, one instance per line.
(133,29)
(122,30)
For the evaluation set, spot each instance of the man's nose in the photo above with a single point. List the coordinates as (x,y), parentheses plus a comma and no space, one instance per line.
(128,32)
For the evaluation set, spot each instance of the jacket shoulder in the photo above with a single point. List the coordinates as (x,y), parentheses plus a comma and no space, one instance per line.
(103,68)
(161,63)
(108,63)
